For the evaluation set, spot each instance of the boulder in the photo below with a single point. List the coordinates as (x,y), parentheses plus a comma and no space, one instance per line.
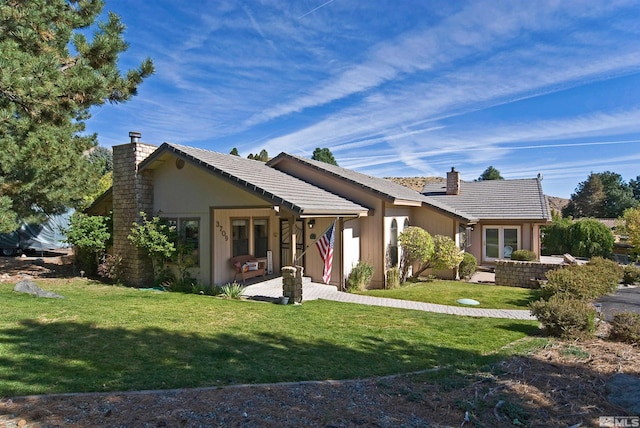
(29,287)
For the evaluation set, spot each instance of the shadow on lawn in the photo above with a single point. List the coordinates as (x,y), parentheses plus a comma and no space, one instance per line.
(51,357)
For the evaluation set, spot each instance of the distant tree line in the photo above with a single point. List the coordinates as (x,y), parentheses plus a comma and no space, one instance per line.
(319,154)
(603,195)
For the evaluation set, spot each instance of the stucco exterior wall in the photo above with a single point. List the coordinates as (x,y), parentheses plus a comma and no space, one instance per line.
(221,239)
(434,222)
(191,192)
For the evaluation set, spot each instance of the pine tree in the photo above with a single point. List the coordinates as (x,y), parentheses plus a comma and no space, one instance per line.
(490,174)
(324,155)
(602,195)
(50,76)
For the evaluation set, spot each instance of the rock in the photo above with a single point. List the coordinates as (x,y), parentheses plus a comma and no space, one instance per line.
(30,287)
(624,390)
(569,259)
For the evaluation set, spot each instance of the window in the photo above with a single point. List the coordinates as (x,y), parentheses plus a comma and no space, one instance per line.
(393,244)
(188,231)
(500,241)
(240,237)
(464,237)
(260,237)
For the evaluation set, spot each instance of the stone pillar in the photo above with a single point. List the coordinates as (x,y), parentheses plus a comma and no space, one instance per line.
(292,283)
(132,194)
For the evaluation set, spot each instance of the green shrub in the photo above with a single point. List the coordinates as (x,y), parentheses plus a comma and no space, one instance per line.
(565,316)
(631,274)
(360,276)
(524,255)
(89,236)
(589,237)
(625,327)
(586,282)
(393,278)
(417,247)
(608,268)
(111,268)
(555,237)
(468,266)
(209,290)
(157,240)
(232,291)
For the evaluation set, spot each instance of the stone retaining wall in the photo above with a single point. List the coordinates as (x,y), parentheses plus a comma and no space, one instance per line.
(522,274)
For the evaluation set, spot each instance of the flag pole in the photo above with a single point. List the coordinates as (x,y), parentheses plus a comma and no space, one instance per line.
(298,257)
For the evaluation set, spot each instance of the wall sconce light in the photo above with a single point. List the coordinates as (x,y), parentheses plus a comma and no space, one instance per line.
(311,223)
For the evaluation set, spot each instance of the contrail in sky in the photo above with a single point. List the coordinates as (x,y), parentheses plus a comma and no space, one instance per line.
(313,10)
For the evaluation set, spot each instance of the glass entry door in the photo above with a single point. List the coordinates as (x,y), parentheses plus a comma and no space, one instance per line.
(500,242)
(285,241)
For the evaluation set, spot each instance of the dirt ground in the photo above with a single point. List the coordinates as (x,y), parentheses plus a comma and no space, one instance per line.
(562,385)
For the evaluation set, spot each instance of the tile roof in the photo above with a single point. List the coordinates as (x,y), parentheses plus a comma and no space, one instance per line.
(521,199)
(269,183)
(384,188)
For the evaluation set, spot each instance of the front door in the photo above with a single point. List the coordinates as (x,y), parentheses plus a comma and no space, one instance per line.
(500,242)
(285,241)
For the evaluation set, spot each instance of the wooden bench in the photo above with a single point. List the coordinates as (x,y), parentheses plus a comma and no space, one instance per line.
(240,265)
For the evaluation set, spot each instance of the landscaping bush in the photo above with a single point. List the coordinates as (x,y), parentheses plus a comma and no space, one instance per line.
(467,266)
(360,276)
(393,278)
(608,268)
(89,236)
(555,237)
(111,268)
(589,237)
(524,256)
(586,282)
(625,327)
(157,240)
(232,291)
(631,274)
(565,316)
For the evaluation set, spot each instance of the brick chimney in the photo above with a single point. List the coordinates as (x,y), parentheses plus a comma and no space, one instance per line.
(132,194)
(453,182)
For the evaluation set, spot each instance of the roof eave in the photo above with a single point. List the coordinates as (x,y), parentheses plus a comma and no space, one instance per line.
(387,197)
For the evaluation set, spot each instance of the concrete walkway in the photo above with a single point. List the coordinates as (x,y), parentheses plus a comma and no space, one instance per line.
(272,289)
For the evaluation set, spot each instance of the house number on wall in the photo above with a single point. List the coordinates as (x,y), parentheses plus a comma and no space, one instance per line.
(222,231)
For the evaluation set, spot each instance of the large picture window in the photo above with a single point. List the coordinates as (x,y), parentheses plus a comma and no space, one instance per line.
(500,241)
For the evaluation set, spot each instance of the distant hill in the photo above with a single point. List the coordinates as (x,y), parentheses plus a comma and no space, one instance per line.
(557,204)
(417,183)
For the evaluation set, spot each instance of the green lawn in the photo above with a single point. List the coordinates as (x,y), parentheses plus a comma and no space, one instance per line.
(448,292)
(104,338)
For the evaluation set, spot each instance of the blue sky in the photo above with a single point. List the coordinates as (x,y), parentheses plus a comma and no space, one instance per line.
(393,88)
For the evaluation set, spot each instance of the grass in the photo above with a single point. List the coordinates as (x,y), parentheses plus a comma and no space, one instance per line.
(448,292)
(107,338)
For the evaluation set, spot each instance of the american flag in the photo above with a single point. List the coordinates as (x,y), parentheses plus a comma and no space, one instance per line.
(325,246)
